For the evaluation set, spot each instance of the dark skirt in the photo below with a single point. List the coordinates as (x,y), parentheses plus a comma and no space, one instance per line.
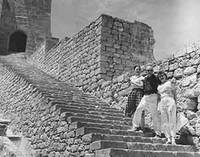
(134,99)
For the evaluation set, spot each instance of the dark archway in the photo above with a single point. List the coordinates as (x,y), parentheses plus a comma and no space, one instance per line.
(17,42)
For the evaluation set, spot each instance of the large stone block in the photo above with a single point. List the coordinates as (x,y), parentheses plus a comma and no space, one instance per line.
(173,66)
(178,73)
(189,70)
(189,80)
(190,104)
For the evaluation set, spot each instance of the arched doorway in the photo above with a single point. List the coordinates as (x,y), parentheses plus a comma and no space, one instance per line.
(17,42)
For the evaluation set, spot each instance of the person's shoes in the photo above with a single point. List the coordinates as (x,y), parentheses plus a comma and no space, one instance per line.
(134,129)
(168,141)
(157,136)
(160,135)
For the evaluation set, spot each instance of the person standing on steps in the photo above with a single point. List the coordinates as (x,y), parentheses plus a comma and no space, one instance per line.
(136,94)
(148,102)
(167,108)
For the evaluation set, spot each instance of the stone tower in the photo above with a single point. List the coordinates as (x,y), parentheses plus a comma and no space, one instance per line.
(24,24)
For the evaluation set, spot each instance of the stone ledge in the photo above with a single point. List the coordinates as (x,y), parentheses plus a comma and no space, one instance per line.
(141,153)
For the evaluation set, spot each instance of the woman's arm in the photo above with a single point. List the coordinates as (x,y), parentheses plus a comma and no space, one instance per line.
(137,81)
(173,82)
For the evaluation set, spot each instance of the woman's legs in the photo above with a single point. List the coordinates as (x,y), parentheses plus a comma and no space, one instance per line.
(168,118)
(164,122)
(172,122)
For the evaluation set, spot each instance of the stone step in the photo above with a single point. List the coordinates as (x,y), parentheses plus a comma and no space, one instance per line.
(110,111)
(93,116)
(86,130)
(77,103)
(88,107)
(68,109)
(62,92)
(79,124)
(91,137)
(94,120)
(142,153)
(97,145)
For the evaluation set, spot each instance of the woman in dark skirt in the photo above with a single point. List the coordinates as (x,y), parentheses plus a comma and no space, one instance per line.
(136,94)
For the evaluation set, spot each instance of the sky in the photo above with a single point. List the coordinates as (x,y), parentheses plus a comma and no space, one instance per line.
(176,23)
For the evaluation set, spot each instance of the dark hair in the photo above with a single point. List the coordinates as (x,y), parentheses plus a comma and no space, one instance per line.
(136,67)
(161,73)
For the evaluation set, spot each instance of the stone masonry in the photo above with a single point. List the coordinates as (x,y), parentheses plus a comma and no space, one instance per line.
(101,51)
(38,93)
(29,19)
(61,121)
(185,69)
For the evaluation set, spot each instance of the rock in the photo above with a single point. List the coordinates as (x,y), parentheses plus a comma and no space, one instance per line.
(197,89)
(66,153)
(125,85)
(190,114)
(189,70)
(89,155)
(170,74)
(105,84)
(198,106)
(108,100)
(74,148)
(156,69)
(197,128)
(189,93)
(119,78)
(173,66)
(107,94)
(178,73)
(196,61)
(193,122)
(165,66)
(191,130)
(187,81)
(190,104)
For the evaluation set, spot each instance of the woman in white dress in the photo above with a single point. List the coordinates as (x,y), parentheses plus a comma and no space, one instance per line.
(167,108)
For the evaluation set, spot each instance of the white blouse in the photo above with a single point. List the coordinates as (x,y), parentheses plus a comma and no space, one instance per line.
(137,81)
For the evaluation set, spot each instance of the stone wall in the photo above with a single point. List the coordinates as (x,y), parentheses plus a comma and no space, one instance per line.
(101,51)
(30,112)
(32,17)
(109,41)
(76,59)
(124,44)
(185,69)
(49,112)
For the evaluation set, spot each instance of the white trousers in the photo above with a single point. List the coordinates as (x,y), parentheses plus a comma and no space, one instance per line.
(167,108)
(149,103)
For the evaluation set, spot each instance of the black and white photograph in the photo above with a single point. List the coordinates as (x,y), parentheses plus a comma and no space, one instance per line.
(99,78)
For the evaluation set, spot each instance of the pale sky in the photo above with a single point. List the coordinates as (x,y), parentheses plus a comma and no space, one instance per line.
(176,23)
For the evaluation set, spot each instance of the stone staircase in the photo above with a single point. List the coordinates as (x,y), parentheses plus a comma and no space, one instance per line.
(95,129)
(13,145)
